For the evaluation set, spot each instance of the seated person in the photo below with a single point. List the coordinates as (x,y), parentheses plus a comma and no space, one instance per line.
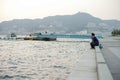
(94,42)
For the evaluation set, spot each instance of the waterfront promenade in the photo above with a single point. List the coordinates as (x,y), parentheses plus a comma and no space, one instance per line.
(99,64)
(111,53)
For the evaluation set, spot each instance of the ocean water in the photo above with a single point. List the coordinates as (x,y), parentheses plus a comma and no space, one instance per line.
(39,60)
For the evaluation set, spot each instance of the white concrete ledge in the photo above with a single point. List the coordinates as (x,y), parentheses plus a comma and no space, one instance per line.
(97,49)
(99,56)
(102,68)
(103,72)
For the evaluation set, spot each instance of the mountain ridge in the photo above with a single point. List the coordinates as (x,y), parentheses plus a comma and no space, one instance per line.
(60,24)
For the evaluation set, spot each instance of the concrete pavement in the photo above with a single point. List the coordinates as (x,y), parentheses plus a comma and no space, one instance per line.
(111,53)
(85,68)
(92,67)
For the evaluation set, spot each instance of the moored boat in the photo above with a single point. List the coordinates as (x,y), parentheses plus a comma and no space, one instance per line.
(37,36)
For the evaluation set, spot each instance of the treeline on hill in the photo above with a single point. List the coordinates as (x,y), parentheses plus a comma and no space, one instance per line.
(116,32)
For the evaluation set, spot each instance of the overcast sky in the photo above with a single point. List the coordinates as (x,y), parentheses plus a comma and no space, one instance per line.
(21,9)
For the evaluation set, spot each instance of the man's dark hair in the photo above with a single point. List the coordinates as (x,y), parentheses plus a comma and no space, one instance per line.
(92,34)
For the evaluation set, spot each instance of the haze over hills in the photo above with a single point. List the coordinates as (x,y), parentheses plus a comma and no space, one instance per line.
(66,24)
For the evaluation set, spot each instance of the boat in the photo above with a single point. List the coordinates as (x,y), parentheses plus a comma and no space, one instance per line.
(39,36)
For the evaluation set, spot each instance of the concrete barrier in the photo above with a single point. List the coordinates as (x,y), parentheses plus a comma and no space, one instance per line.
(103,72)
(102,68)
(97,49)
(99,56)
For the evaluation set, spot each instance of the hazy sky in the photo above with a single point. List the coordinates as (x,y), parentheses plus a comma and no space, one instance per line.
(20,9)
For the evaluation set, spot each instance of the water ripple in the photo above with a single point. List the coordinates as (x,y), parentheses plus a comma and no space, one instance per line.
(32,60)
(15,76)
(5,76)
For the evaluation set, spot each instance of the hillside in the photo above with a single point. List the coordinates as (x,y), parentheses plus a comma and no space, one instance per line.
(66,24)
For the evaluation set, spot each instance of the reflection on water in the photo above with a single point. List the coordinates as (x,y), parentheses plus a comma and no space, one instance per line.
(38,60)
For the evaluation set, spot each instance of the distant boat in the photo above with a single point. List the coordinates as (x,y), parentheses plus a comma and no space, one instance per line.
(36,36)
(11,36)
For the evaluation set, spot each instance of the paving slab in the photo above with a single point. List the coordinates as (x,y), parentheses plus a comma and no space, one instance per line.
(85,68)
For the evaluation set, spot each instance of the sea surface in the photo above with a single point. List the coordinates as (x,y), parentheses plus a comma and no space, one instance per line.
(38,60)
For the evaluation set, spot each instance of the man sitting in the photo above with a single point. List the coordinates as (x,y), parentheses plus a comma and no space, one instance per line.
(95,41)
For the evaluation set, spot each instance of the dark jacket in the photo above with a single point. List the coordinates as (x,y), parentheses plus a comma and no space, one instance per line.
(95,41)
